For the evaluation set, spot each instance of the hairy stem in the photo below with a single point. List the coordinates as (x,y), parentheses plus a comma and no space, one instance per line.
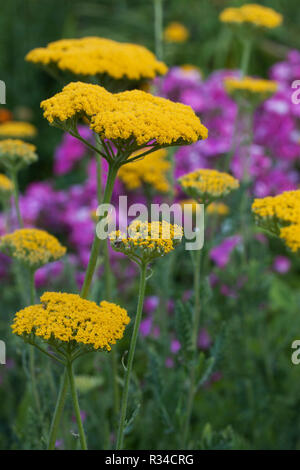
(76,406)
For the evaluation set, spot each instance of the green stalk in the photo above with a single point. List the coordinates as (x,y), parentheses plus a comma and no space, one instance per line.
(58,411)
(158,28)
(247,48)
(120,436)
(13,175)
(112,173)
(31,350)
(82,437)
(195,330)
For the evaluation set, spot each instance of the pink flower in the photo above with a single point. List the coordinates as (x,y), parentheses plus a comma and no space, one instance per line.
(281,264)
(220,254)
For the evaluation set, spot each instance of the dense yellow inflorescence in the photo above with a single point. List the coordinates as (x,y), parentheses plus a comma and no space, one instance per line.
(32,247)
(218,208)
(15,153)
(205,185)
(17,130)
(152,171)
(68,317)
(96,56)
(251,85)
(176,32)
(253,14)
(127,115)
(281,216)
(6,187)
(147,240)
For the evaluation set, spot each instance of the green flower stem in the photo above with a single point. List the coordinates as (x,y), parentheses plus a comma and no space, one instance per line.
(142,286)
(58,411)
(31,350)
(247,49)
(112,173)
(14,178)
(195,331)
(82,437)
(158,28)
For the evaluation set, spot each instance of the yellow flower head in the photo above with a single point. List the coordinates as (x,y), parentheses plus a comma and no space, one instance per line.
(6,187)
(250,89)
(15,154)
(176,32)
(291,236)
(217,208)
(252,14)
(94,56)
(128,116)
(146,241)
(150,171)
(17,130)
(68,318)
(32,247)
(205,185)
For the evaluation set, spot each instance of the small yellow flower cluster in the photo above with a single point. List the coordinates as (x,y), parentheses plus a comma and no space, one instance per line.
(205,185)
(126,115)
(253,85)
(151,171)
(176,32)
(15,154)
(17,130)
(97,56)
(32,247)
(217,208)
(280,215)
(6,187)
(68,317)
(146,241)
(253,14)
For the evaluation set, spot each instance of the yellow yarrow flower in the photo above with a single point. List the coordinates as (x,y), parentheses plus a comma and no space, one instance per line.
(15,154)
(126,116)
(146,241)
(250,89)
(205,185)
(32,247)
(91,56)
(6,187)
(67,318)
(176,32)
(218,208)
(150,171)
(17,130)
(252,14)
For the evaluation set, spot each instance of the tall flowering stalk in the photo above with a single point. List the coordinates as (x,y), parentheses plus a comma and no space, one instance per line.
(143,243)
(204,186)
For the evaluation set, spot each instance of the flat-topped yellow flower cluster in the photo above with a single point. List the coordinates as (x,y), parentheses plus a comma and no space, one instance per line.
(251,85)
(150,171)
(68,317)
(280,215)
(15,154)
(17,130)
(147,240)
(205,185)
(176,32)
(32,247)
(6,187)
(253,14)
(96,56)
(127,115)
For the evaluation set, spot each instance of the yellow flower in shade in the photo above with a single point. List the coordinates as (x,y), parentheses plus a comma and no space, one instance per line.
(218,208)
(17,130)
(252,14)
(6,187)
(146,241)
(152,171)
(291,236)
(250,89)
(205,185)
(32,247)
(15,154)
(67,318)
(176,32)
(132,117)
(94,56)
